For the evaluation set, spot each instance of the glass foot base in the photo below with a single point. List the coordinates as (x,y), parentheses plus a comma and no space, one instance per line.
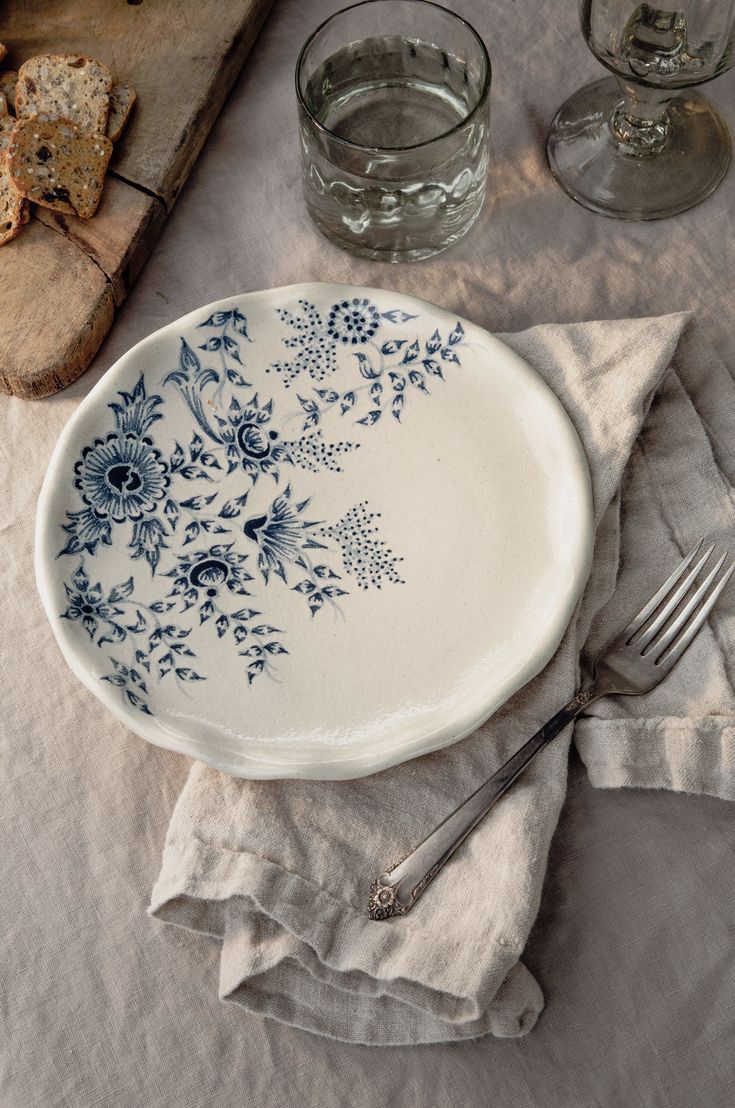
(601,175)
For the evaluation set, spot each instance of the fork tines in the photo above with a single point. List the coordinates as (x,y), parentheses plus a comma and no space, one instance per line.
(669,621)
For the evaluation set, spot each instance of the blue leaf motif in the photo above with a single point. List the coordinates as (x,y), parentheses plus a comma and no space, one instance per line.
(205,376)
(196,503)
(348,401)
(232,348)
(177,458)
(245,613)
(457,334)
(211,344)
(366,369)
(307,404)
(417,378)
(433,367)
(324,571)
(80,580)
(333,590)
(139,625)
(434,343)
(240,324)
(304,587)
(138,702)
(217,319)
(411,353)
(192,472)
(449,355)
(396,315)
(113,633)
(397,407)
(254,669)
(191,531)
(187,358)
(393,346)
(208,459)
(370,417)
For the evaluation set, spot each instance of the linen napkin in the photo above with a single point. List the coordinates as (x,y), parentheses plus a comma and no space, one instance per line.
(278,871)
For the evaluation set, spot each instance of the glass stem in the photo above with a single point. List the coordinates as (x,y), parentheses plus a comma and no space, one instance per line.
(641,125)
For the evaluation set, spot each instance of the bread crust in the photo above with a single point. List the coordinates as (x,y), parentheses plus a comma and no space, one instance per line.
(7,87)
(13,207)
(122,99)
(65,86)
(55,164)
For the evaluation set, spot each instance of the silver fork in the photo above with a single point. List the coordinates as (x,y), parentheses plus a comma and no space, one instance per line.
(633,663)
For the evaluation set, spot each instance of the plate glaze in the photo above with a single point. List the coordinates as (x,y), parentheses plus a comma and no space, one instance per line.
(313,531)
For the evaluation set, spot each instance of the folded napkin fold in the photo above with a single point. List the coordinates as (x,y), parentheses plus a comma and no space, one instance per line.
(278,871)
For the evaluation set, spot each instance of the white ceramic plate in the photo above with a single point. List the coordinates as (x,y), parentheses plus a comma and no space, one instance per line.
(313,531)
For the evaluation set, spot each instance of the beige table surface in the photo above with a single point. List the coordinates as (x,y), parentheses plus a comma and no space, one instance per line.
(634,942)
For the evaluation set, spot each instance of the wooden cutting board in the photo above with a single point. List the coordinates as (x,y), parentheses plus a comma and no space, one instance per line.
(62,279)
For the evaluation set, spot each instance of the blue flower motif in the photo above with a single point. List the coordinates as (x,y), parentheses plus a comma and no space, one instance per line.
(86,603)
(249,441)
(148,540)
(122,476)
(353,321)
(201,574)
(314,347)
(85,530)
(280,534)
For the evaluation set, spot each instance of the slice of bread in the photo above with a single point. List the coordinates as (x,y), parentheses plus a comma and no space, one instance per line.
(55,164)
(7,87)
(122,99)
(65,86)
(12,205)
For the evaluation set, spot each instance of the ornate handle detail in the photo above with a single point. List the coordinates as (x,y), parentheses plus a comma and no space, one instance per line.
(396,891)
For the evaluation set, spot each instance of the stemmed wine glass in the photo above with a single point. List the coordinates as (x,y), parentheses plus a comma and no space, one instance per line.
(643,144)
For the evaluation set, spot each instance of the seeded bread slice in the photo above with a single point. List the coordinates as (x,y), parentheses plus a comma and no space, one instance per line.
(65,86)
(54,164)
(7,87)
(122,99)
(12,204)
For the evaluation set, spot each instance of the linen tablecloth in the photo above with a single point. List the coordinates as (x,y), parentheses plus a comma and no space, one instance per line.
(278,871)
(634,937)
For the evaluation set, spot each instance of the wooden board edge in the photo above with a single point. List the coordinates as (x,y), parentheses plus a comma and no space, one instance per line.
(71,361)
(74,358)
(199,126)
(122,272)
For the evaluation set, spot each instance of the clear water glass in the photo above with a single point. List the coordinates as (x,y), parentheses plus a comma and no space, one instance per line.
(645,144)
(394,110)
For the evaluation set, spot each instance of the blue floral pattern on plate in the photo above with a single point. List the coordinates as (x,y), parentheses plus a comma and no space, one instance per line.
(172,505)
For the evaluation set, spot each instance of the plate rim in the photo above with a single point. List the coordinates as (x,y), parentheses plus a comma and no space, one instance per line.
(352,763)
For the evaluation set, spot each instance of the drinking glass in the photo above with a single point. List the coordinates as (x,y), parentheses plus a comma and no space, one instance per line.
(644,145)
(393,109)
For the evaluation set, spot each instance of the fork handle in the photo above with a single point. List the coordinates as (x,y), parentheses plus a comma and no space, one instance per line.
(396,891)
